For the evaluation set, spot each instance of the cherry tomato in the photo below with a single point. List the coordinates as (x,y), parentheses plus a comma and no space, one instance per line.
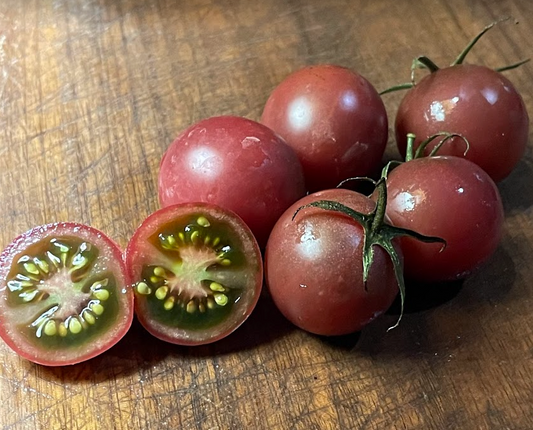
(65,296)
(451,198)
(314,267)
(237,164)
(474,101)
(197,272)
(335,121)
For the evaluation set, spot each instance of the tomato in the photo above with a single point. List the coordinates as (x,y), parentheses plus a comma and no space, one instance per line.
(235,163)
(335,121)
(474,101)
(314,267)
(447,197)
(197,273)
(65,296)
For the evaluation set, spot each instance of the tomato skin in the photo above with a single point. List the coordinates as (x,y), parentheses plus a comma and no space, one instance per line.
(451,198)
(140,252)
(474,101)
(314,268)
(335,121)
(112,260)
(234,163)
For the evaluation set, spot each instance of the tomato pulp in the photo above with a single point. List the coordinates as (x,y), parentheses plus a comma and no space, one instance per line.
(65,296)
(197,273)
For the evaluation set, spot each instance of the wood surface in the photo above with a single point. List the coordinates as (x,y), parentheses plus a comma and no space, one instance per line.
(91,94)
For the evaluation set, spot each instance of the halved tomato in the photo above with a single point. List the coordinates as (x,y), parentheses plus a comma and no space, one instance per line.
(65,295)
(197,273)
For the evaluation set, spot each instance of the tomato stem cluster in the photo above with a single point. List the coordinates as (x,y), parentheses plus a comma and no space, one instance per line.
(377,232)
(423,62)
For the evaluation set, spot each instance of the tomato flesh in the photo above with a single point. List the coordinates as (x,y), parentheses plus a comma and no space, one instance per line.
(65,294)
(447,197)
(314,267)
(474,101)
(197,272)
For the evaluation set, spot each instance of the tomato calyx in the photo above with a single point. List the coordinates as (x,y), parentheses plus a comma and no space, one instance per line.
(424,62)
(377,233)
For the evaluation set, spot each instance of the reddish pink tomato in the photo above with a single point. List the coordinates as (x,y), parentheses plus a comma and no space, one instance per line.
(451,198)
(314,267)
(65,296)
(335,121)
(474,101)
(237,164)
(197,273)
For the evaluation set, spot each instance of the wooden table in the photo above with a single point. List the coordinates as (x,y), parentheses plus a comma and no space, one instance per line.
(91,94)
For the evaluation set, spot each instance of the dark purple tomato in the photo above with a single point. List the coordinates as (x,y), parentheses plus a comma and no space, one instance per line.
(314,267)
(234,163)
(447,197)
(335,121)
(474,101)
(65,295)
(197,273)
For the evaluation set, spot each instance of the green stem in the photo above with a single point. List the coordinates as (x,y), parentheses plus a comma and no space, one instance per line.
(409,152)
(400,87)
(512,66)
(461,57)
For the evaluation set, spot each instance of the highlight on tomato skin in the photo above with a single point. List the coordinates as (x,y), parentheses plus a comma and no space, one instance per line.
(197,273)
(65,295)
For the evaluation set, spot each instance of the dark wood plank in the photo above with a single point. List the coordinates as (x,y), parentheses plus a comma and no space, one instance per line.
(91,94)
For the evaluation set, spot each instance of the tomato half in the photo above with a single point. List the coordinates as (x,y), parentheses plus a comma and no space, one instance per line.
(314,267)
(451,198)
(65,296)
(335,121)
(474,101)
(197,273)
(235,163)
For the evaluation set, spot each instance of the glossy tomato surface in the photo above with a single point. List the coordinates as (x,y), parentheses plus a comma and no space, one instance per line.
(197,273)
(65,296)
(335,121)
(450,198)
(475,101)
(237,164)
(314,267)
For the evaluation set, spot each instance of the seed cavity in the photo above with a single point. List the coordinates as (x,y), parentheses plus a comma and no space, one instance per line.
(161,293)
(159,271)
(202,221)
(143,288)
(74,325)
(88,316)
(169,303)
(50,328)
(101,294)
(221,299)
(215,286)
(97,308)
(191,307)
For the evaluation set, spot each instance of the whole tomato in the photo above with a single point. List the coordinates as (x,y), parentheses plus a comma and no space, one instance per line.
(474,101)
(477,102)
(235,163)
(335,121)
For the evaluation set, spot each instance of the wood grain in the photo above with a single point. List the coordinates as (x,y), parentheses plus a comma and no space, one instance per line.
(91,94)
